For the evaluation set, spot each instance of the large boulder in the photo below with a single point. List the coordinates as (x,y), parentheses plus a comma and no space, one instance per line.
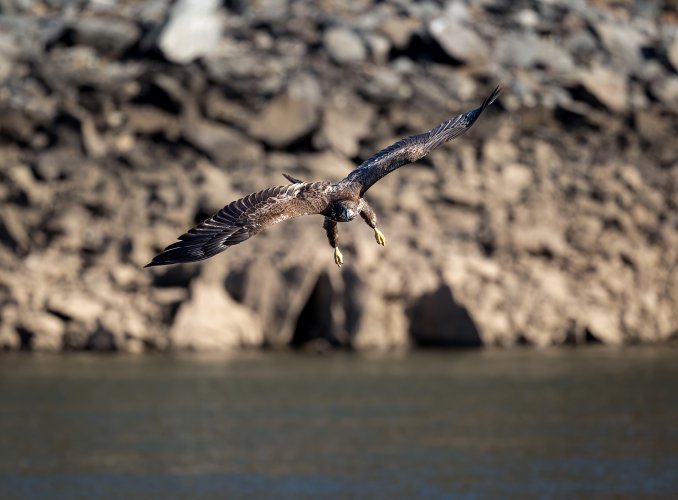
(290,115)
(210,321)
(193,30)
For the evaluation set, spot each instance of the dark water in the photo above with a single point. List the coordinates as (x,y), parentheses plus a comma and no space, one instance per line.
(521,424)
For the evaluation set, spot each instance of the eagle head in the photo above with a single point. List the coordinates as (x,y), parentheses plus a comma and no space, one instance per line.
(344,212)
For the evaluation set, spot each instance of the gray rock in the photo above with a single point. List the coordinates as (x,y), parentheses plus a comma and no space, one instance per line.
(16,6)
(82,66)
(344,46)
(22,37)
(345,123)
(108,35)
(57,163)
(666,90)
(379,47)
(13,233)
(459,41)
(385,86)
(582,46)
(622,41)
(605,86)
(290,115)
(92,142)
(226,110)
(223,324)
(527,18)
(192,31)
(526,50)
(672,53)
(147,120)
(22,181)
(399,30)
(222,144)
(15,124)
(269,10)
(326,165)
(151,12)
(657,131)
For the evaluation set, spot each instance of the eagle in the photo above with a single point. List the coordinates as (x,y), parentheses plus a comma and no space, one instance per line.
(338,202)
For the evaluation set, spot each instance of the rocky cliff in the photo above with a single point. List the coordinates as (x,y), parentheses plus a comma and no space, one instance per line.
(553,221)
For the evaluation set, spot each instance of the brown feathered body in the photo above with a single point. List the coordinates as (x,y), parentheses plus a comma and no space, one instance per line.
(340,202)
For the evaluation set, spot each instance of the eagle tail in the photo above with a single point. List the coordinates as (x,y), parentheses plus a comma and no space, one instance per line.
(293,180)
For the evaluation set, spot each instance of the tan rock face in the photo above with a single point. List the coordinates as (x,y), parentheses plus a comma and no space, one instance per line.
(552,221)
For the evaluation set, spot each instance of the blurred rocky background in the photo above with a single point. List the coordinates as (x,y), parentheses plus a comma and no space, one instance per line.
(553,221)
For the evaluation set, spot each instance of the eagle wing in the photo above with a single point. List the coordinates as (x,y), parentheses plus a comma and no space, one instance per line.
(243,218)
(414,147)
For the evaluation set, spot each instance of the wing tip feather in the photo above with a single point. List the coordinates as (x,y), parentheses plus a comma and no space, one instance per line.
(177,256)
(492,97)
(473,115)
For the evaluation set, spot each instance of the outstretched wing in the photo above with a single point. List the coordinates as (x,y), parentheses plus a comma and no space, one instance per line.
(414,147)
(244,218)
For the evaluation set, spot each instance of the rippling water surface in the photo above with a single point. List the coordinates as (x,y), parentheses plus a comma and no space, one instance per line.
(476,424)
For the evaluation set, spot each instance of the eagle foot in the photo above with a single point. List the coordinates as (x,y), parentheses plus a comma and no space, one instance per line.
(379,236)
(338,258)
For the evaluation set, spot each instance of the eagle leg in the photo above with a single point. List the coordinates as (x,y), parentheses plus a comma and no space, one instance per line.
(332,231)
(370,218)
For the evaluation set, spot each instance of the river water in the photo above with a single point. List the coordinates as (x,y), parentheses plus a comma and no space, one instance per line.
(473,424)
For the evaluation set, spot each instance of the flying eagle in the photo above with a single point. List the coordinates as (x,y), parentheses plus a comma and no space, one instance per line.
(339,202)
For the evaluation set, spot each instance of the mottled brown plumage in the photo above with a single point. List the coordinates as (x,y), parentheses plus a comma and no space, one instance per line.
(338,202)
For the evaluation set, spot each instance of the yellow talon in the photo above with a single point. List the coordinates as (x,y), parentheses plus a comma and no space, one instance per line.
(379,236)
(338,258)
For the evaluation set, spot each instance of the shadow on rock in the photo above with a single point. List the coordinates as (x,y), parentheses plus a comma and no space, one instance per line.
(437,320)
(316,322)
